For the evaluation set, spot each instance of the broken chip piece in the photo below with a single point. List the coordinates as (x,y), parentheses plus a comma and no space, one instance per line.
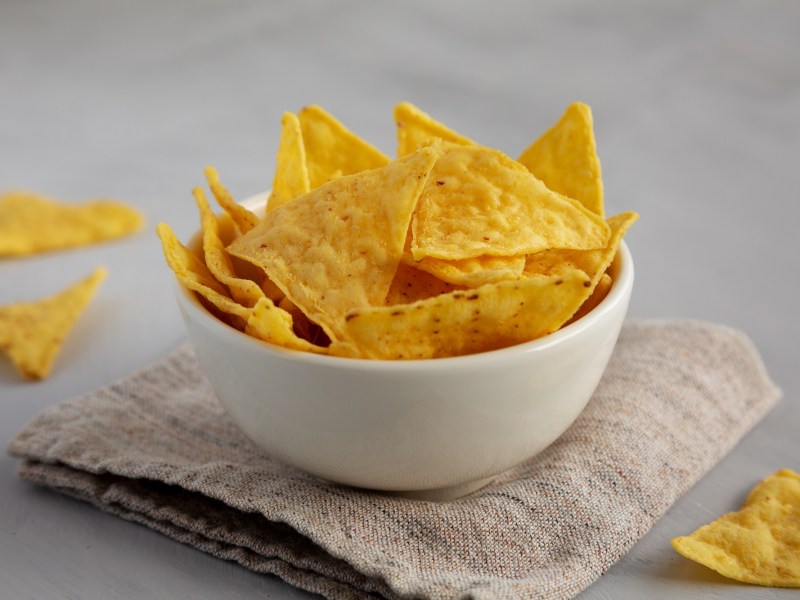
(760,543)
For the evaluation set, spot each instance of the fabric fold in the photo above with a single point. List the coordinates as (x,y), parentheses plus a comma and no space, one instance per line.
(158,449)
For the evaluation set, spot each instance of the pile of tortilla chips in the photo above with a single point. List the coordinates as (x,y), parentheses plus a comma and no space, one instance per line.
(32,333)
(452,248)
(759,544)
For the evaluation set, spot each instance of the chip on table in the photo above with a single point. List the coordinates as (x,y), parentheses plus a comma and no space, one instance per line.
(758,544)
(32,223)
(32,333)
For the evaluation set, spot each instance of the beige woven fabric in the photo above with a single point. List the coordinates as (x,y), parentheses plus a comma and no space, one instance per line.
(158,449)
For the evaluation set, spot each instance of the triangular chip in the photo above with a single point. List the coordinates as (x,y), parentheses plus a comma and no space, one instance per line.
(245,220)
(264,321)
(479,201)
(291,173)
(193,274)
(592,262)
(411,284)
(32,333)
(416,129)
(760,544)
(565,158)
(473,272)
(272,324)
(243,291)
(332,150)
(338,247)
(493,316)
(31,223)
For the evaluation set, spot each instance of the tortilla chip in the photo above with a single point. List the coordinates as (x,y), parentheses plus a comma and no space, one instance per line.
(243,291)
(272,324)
(565,158)
(411,284)
(291,172)
(264,321)
(331,150)
(492,316)
(598,295)
(480,202)
(474,272)
(592,262)
(416,129)
(30,223)
(271,291)
(32,333)
(193,274)
(245,220)
(760,544)
(339,246)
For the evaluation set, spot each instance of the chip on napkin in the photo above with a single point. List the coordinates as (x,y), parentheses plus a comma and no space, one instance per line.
(31,223)
(32,333)
(759,544)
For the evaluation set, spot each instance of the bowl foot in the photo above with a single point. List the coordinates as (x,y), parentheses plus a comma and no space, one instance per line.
(445,493)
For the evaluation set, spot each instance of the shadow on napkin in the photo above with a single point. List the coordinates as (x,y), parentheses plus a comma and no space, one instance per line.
(158,449)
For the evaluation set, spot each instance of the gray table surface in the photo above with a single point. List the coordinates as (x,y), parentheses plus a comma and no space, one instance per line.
(697,112)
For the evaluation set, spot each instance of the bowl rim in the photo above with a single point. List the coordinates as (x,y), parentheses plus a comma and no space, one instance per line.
(622,284)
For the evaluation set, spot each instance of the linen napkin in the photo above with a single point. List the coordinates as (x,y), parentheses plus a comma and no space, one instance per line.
(158,449)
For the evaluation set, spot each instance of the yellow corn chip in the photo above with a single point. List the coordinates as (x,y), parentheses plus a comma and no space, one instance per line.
(226,228)
(291,172)
(244,219)
(479,201)
(271,291)
(565,158)
(264,321)
(473,272)
(760,544)
(31,223)
(331,149)
(416,129)
(411,284)
(338,247)
(243,291)
(32,333)
(598,295)
(272,324)
(492,316)
(592,262)
(193,274)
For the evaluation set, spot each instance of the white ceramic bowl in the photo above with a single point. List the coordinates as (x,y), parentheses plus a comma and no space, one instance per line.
(434,429)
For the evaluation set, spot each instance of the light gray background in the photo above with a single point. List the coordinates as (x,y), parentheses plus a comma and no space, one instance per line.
(697,112)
